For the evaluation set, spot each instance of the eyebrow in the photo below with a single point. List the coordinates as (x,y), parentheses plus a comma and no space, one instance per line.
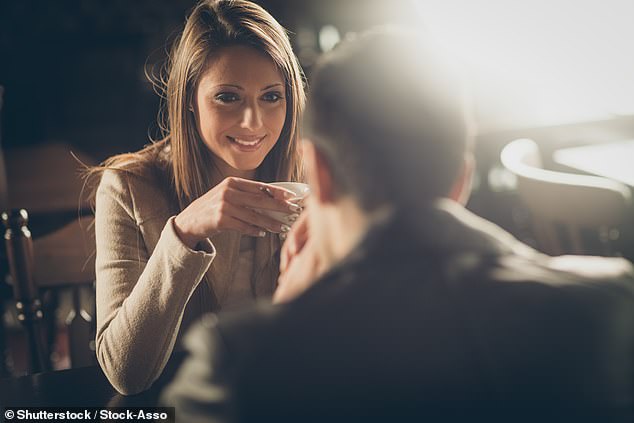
(242,89)
(277,84)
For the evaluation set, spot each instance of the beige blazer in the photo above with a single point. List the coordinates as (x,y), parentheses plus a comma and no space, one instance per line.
(149,286)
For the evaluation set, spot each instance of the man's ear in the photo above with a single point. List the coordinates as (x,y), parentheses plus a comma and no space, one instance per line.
(461,189)
(318,174)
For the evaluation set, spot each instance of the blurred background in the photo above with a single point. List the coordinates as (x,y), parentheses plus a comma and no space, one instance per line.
(73,71)
(559,71)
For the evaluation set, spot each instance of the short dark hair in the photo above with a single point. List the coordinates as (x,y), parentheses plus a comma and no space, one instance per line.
(389,115)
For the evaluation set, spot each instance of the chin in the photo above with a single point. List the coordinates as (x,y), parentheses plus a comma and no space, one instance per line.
(247,162)
(246,165)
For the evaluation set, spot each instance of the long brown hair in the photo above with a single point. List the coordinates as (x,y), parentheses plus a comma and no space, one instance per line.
(214,24)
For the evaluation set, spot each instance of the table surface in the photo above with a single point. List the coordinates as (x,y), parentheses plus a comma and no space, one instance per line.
(614,160)
(80,387)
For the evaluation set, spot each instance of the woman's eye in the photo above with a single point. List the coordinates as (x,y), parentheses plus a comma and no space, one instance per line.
(272,97)
(226,97)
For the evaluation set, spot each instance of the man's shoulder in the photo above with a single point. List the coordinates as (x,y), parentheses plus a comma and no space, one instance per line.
(512,288)
(557,302)
(565,274)
(577,292)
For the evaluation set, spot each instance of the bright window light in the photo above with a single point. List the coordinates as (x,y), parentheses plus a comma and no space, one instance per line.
(540,62)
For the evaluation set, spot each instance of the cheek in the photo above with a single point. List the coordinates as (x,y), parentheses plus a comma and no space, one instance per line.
(276,118)
(213,122)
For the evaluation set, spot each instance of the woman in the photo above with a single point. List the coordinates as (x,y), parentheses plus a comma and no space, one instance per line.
(176,230)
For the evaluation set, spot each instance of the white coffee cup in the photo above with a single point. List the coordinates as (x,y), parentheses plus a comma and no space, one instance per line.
(300,190)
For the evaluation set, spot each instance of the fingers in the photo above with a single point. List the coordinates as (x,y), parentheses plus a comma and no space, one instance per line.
(289,250)
(264,202)
(302,272)
(295,241)
(244,228)
(301,229)
(260,200)
(254,187)
(264,196)
(257,205)
(287,254)
(255,219)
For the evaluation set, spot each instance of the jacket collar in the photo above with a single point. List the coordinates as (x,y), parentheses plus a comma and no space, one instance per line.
(444,228)
(446,225)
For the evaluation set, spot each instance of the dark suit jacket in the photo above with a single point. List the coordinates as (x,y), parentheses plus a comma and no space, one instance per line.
(452,320)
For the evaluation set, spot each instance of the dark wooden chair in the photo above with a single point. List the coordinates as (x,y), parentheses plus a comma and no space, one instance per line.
(56,263)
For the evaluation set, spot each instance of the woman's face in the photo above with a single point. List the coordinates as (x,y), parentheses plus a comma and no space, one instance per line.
(240,108)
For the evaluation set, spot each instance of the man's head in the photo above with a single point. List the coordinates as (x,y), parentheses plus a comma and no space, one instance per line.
(386,124)
(386,127)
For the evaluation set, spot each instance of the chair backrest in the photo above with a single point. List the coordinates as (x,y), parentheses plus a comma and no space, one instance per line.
(572,214)
(44,270)
(58,262)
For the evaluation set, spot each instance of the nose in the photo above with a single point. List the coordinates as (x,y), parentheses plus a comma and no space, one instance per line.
(251,116)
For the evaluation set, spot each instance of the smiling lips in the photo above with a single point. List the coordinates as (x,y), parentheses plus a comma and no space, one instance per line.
(247,143)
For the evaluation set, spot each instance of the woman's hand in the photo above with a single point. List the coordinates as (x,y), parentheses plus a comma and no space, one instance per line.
(299,263)
(229,206)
